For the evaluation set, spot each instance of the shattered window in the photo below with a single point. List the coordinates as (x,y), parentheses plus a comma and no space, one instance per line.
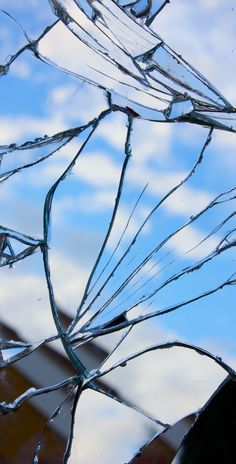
(117,231)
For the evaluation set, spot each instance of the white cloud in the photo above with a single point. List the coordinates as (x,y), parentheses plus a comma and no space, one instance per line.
(26,309)
(77,101)
(68,108)
(16,129)
(173,383)
(134,224)
(32,7)
(98,201)
(98,170)
(188,238)
(113,130)
(114,431)
(224,144)
(187,201)
(151,141)
(62,93)
(159,182)
(207,45)
(68,279)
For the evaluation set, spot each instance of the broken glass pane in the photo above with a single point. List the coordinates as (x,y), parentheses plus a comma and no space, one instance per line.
(117,234)
(125,432)
(141,377)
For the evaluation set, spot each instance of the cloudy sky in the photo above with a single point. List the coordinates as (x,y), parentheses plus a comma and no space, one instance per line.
(38,99)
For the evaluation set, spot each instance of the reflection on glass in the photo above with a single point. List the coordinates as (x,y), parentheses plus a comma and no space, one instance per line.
(163,448)
(117,234)
(121,427)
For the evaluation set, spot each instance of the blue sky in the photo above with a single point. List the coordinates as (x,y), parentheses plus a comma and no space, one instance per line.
(37,99)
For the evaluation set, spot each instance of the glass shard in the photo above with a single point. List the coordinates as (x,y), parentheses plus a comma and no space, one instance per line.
(8,353)
(125,430)
(136,377)
(11,351)
(164,447)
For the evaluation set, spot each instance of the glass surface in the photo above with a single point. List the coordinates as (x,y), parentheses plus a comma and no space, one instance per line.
(99,418)
(117,229)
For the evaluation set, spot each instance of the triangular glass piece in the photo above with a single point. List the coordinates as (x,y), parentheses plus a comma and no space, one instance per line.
(12,249)
(163,448)
(3,243)
(99,417)
(10,352)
